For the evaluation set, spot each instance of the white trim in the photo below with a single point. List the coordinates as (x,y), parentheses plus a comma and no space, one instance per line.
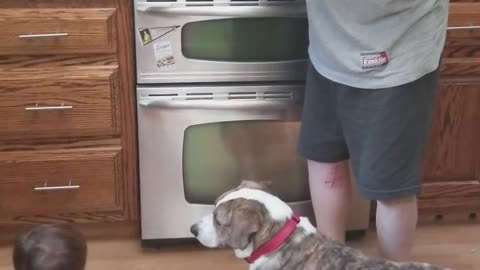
(307,226)
(279,210)
(244,253)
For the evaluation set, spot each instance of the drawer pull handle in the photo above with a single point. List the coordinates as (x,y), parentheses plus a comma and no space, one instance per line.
(467,27)
(50,35)
(49,108)
(55,188)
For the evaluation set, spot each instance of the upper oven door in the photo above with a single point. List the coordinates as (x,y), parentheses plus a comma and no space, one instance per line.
(219,41)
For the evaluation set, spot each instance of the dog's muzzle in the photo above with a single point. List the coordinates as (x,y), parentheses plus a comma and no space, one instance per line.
(205,232)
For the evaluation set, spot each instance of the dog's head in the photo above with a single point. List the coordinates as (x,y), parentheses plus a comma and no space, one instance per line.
(243,218)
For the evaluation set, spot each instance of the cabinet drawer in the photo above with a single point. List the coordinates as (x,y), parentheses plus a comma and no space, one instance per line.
(56,31)
(59,102)
(56,182)
(463,34)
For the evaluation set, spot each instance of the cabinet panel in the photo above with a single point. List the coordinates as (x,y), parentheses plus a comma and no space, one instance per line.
(57,31)
(453,152)
(59,102)
(53,183)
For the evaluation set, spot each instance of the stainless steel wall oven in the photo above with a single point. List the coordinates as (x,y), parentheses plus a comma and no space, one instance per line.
(220,91)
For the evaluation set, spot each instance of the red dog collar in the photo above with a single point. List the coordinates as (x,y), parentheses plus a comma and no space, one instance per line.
(274,243)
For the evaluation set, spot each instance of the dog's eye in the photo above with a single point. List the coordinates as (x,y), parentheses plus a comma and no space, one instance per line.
(215,220)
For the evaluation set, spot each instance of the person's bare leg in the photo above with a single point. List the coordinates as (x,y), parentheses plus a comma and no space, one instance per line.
(330,189)
(396,223)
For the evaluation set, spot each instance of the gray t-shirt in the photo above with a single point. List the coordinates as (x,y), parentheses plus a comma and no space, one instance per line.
(376,43)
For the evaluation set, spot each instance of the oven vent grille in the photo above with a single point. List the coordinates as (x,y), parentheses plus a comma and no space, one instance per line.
(283,95)
(278,95)
(270,95)
(225,2)
(199,96)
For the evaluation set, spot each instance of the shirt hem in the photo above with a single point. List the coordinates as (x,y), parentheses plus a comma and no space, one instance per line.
(386,82)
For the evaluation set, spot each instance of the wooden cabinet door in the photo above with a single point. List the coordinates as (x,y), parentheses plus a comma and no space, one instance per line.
(452,161)
(82,185)
(59,102)
(57,31)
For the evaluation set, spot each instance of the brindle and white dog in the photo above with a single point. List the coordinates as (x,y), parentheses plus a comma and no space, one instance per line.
(257,225)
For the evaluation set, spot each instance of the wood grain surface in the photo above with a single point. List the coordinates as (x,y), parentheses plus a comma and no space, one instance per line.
(28,62)
(93,94)
(128,105)
(88,31)
(452,163)
(453,154)
(97,172)
(116,247)
(93,70)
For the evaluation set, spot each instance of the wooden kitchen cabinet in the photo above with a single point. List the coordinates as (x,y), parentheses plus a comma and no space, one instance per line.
(452,163)
(83,30)
(83,102)
(89,183)
(67,112)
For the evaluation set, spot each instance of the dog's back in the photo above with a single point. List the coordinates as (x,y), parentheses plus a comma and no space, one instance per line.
(316,252)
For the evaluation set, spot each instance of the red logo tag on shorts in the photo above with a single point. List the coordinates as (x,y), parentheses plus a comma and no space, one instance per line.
(374,59)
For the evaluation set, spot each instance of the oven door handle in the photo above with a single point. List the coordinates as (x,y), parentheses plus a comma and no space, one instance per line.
(236,11)
(220,104)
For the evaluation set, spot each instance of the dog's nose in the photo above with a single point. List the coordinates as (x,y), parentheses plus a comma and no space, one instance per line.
(194,230)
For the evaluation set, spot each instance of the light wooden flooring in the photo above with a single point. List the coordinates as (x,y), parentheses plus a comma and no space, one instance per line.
(456,246)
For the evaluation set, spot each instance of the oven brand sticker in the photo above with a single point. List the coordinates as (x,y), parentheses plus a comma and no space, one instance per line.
(148,35)
(164,55)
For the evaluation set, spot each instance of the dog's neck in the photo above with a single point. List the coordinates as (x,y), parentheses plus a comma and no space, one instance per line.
(274,261)
(246,252)
(267,231)
(278,211)
(302,228)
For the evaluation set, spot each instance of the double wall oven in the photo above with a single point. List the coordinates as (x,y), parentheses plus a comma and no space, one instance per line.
(220,88)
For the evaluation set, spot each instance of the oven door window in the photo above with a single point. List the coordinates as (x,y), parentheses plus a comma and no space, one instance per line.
(217,156)
(246,39)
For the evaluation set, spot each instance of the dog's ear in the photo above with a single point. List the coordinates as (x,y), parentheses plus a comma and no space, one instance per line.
(245,223)
(262,185)
(266,184)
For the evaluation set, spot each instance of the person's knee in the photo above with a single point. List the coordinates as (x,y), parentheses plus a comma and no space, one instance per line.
(329,175)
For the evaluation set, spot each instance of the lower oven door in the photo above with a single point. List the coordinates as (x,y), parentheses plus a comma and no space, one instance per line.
(198,142)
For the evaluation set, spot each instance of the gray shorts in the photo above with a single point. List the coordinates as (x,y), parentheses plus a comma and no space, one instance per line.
(382,131)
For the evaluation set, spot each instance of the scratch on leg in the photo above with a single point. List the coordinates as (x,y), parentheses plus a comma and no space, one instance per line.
(334,177)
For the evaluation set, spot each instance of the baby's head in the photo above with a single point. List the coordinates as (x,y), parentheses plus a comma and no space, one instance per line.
(50,247)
